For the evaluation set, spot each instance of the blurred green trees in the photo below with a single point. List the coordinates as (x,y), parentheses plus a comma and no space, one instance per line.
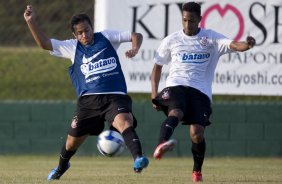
(53,17)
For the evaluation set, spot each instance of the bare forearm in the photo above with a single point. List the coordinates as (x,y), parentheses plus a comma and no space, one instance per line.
(155,79)
(240,46)
(136,40)
(243,45)
(40,38)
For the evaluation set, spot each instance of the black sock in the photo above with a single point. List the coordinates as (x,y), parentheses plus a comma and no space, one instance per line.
(198,151)
(167,128)
(132,142)
(65,157)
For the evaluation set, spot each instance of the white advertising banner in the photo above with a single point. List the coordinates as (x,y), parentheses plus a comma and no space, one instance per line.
(254,72)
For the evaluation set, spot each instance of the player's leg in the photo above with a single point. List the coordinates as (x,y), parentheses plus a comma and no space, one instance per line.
(68,150)
(166,131)
(198,150)
(78,132)
(169,124)
(119,112)
(86,122)
(123,122)
(199,113)
(172,102)
(72,144)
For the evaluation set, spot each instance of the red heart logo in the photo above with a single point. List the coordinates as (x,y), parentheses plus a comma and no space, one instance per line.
(222,11)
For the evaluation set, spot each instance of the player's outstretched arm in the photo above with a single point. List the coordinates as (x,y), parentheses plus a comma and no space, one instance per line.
(155,80)
(136,40)
(243,45)
(41,39)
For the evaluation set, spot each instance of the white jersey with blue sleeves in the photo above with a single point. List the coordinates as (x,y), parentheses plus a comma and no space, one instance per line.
(95,68)
(193,59)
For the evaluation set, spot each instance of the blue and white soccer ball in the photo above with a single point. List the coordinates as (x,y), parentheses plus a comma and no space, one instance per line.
(110,143)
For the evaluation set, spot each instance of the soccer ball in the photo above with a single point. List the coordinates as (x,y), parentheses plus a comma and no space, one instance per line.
(110,143)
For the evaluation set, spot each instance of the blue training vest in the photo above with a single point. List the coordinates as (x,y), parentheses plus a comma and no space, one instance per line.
(96,68)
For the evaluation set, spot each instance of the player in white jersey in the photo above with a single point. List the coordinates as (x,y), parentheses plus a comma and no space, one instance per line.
(193,54)
(98,80)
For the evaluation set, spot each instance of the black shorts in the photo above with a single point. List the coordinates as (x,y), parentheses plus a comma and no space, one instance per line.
(195,105)
(93,110)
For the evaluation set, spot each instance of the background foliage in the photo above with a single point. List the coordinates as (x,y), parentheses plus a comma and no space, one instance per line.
(53,17)
(27,72)
(31,73)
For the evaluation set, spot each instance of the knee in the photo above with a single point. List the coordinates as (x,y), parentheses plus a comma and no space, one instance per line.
(122,122)
(123,126)
(177,113)
(73,143)
(70,146)
(197,137)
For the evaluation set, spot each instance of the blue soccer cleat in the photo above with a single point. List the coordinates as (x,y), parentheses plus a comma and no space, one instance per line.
(55,174)
(140,163)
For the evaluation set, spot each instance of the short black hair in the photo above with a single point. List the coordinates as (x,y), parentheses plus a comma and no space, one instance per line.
(79,18)
(192,7)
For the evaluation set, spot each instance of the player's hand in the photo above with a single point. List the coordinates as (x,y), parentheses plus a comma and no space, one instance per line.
(251,41)
(153,96)
(131,53)
(28,14)
(156,107)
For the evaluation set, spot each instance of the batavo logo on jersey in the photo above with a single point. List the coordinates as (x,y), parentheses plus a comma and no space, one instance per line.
(193,57)
(100,66)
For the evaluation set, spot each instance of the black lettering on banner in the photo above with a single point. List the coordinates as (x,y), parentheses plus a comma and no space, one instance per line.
(276,23)
(257,78)
(257,22)
(135,20)
(144,76)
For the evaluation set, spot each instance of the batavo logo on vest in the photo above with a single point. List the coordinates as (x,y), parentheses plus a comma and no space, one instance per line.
(100,66)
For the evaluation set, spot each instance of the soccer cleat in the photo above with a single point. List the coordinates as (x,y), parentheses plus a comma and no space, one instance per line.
(55,174)
(140,163)
(164,147)
(197,176)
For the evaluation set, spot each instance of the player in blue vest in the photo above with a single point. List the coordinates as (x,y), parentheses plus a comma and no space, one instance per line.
(99,83)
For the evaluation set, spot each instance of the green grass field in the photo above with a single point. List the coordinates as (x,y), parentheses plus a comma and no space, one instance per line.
(101,170)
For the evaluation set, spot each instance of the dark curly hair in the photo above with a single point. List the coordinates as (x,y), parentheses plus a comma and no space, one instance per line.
(192,7)
(79,18)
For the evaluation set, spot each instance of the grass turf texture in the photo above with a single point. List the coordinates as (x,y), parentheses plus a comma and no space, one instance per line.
(102,170)
(32,73)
